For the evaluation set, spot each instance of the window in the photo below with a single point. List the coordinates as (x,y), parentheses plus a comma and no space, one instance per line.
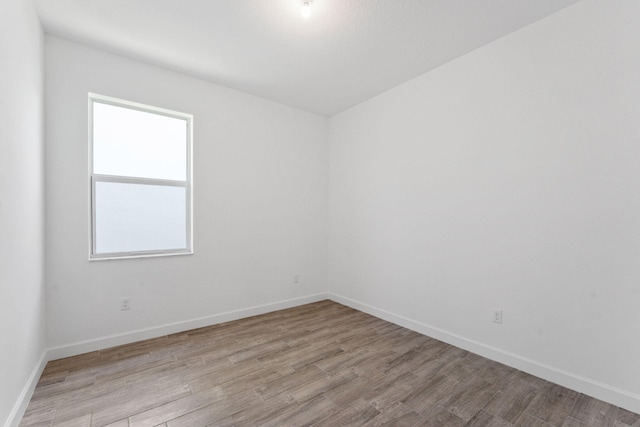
(140,171)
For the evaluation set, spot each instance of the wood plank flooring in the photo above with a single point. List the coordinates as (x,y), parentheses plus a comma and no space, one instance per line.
(320,364)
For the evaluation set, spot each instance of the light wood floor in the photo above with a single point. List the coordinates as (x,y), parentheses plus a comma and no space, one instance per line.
(319,364)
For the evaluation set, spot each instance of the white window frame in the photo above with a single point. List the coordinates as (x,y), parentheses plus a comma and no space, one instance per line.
(94,178)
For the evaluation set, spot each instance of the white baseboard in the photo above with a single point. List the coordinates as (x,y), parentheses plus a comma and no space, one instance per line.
(605,392)
(129,337)
(171,328)
(15,416)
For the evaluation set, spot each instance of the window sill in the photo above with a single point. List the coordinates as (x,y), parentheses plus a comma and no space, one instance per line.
(111,257)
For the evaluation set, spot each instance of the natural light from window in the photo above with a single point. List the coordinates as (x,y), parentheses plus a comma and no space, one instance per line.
(140,180)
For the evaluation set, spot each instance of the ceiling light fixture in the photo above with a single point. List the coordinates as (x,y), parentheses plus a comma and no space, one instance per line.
(306,8)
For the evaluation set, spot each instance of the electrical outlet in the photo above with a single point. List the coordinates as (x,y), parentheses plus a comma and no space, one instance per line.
(125,303)
(497,316)
(296,279)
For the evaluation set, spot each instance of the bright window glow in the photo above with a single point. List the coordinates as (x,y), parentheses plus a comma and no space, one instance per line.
(140,179)
(135,218)
(136,143)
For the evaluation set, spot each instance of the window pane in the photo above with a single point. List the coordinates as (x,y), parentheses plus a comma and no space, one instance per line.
(135,217)
(135,143)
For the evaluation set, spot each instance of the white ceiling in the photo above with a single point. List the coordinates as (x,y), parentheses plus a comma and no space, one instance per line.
(345,53)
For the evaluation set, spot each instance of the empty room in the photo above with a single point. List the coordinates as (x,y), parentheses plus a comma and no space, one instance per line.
(326,212)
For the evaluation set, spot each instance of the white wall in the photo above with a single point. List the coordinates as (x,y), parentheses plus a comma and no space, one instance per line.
(21,202)
(508,178)
(260,204)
